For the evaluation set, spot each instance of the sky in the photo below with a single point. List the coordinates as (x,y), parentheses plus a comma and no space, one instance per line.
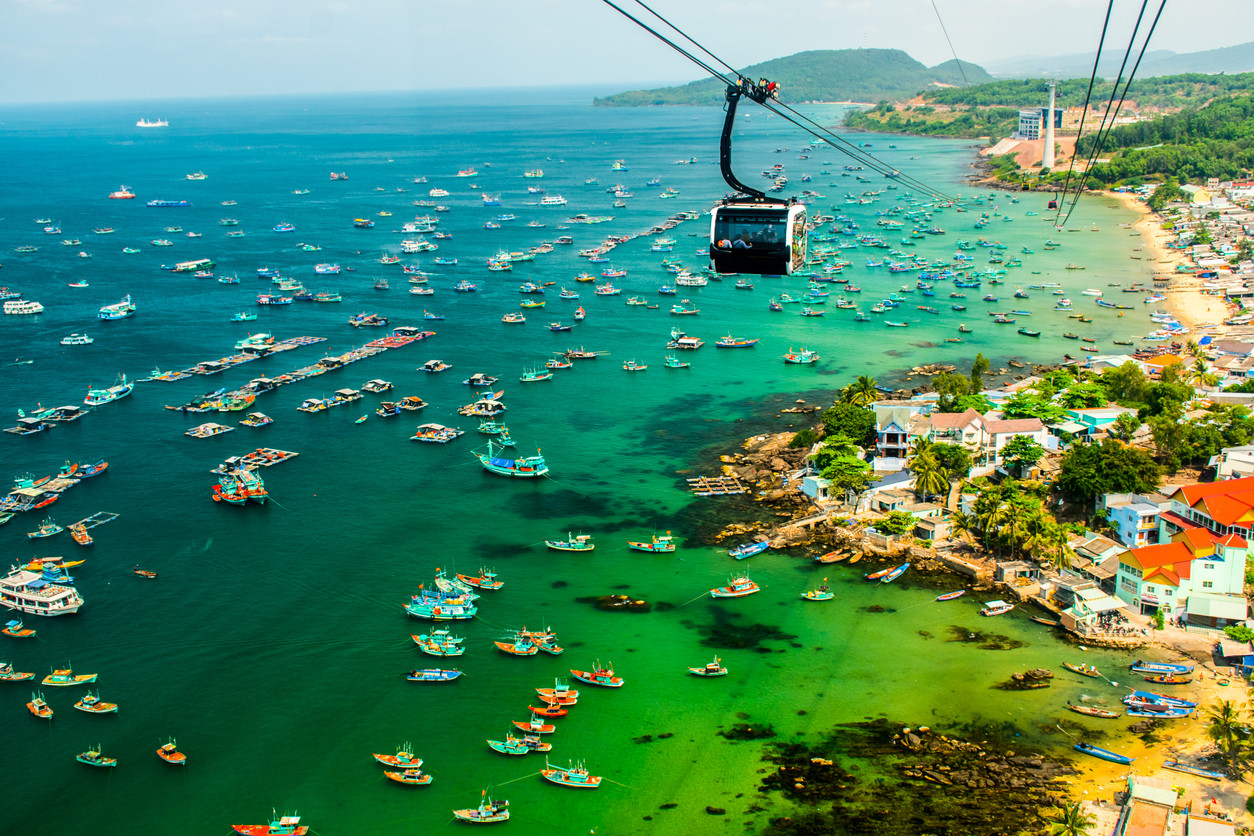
(85,50)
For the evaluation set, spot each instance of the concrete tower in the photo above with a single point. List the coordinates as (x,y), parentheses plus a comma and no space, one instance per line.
(1047,159)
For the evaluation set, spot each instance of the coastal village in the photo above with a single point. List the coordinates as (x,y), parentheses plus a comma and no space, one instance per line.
(1021,480)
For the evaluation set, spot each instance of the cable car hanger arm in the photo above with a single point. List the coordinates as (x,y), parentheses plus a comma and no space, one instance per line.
(759,93)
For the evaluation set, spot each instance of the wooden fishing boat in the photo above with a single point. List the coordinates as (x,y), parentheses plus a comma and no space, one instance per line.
(1158,712)
(1048,622)
(1104,754)
(1161,699)
(47,528)
(1193,770)
(1083,670)
(574,775)
(599,676)
(92,704)
(144,573)
(560,694)
(526,467)
(439,643)
(949,596)
(998,607)
(15,629)
(281,826)
(509,746)
(486,579)
(749,549)
(1168,679)
(433,675)
(548,711)
(403,759)
(38,707)
(79,532)
(659,543)
(1156,667)
(68,677)
(711,669)
(521,646)
(7,674)
(169,752)
(93,757)
(572,543)
(1094,711)
(535,726)
(410,777)
(488,811)
(820,593)
(737,587)
(831,557)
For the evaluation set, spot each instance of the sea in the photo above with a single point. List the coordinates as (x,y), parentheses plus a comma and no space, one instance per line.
(273,646)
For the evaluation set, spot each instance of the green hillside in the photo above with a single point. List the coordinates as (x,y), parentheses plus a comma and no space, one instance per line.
(828,75)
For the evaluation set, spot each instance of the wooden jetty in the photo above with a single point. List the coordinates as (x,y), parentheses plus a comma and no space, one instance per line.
(261,457)
(716,486)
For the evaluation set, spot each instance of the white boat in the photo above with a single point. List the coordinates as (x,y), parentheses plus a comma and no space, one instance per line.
(996,608)
(29,592)
(22,306)
(118,310)
(98,397)
(77,339)
(156,123)
(553,200)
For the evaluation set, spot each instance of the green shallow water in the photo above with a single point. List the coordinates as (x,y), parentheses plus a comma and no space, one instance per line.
(273,646)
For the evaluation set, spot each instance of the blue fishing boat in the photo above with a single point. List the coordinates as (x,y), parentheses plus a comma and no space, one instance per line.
(527,467)
(1154,667)
(1193,770)
(509,746)
(888,575)
(1149,696)
(749,549)
(1104,754)
(433,675)
(572,776)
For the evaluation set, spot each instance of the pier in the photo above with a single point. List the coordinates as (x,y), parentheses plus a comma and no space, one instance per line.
(223,363)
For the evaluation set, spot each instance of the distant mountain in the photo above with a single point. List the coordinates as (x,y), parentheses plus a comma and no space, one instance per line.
(826,75)
(1228,59)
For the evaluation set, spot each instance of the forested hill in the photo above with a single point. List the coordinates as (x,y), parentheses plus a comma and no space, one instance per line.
(827,75)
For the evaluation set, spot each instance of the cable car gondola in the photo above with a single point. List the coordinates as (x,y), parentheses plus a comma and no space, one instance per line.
(750,233)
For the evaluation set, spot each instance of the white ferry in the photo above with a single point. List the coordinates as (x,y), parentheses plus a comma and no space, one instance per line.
(22,306)
(118,310)
(155,123)
(553,200)
(77,339)
(28,592)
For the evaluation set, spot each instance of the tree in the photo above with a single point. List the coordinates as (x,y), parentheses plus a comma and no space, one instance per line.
(1090,470)
(973,400)
(1028,405)
(1125,384)
(979,368)
(896,523)
(1125,426)
(861,392)
(1021,452)
(954,459)
(1084,395)
(1072,821)
(847,473)
(965,526)
(950,387)
(854,421)
(930,479)
(1229,730)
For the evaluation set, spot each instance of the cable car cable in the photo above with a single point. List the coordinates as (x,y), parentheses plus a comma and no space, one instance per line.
(965,83)
(1104,135)
(1087,96)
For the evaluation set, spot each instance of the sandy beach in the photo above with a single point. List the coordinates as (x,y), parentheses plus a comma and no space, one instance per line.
(1185,298)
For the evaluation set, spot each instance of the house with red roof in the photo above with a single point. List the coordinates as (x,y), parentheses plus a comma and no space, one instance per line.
(1197,570)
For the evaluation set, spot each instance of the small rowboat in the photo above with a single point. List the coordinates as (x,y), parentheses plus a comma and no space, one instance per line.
(488,811)
(559,694)
(410,777)
(749,549)
(548,711)
(1082,670)
(92,757)
(68,677)
(710,669)
(534,726)
(572,776)
(7,674)
(169,752)
(403,759)
(1168,679)
(949,596)
(1104,754)
(1155,667)
(92,704)
(144,573)
(888,575)
(1193,770)
(1158,712)
(1048,622)
(830,557)
(1093,711)
(15,629)
(599,676)
(433,675)
(38,707)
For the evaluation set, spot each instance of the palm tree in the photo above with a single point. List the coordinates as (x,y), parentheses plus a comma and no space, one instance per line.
(1057,548)
(1072,821)
(920,445)
(861,392)
(1229,731)
(964,525)
(929,477)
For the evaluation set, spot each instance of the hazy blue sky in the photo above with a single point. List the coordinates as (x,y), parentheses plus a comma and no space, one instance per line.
(53,50)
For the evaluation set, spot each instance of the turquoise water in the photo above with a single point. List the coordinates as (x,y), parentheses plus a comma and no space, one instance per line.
(273,645)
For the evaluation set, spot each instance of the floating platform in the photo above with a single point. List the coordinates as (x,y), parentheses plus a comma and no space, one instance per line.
(223,363)
(716,486)
(261,457)
(99,518)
